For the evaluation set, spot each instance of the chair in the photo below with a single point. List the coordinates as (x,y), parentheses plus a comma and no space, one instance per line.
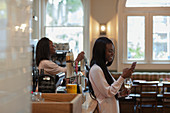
(166,97)
(148,97)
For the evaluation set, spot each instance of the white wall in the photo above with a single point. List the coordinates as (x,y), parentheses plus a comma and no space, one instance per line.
(104,11)
(15,56)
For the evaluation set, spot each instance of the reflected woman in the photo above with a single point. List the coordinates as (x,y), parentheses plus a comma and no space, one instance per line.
(44,50)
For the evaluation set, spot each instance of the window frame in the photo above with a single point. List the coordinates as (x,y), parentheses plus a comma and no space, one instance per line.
(148,64)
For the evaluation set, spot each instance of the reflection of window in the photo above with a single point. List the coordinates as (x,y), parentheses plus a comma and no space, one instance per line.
(3,32)
(147,3)
(144,35)
(64,23)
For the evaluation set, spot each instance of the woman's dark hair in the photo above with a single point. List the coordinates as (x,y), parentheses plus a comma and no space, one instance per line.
(42,50)
(99,52)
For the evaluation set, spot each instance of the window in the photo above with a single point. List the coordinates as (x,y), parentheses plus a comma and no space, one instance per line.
(136,37)
(144,28)
(161,38)
(64,23)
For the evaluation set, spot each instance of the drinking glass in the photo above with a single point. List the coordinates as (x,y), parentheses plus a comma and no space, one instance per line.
(36,97)
(128,84)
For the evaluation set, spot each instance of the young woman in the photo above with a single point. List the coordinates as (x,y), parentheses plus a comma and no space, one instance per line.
(103,87)
(44,50)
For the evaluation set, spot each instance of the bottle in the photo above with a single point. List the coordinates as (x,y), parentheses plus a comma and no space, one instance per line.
(82,65)
(69,64)
(68,56)
(42,72)
(71,56)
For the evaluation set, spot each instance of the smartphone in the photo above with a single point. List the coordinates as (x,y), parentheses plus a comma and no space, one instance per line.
(133,66)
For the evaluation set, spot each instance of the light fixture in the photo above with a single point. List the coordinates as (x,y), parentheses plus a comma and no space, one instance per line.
(102,29)
(35,18)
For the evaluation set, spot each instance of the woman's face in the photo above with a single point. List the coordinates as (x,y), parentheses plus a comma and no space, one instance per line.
(110,52)
(52,49)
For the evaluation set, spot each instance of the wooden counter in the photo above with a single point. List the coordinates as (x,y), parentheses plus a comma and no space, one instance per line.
(90,105)
(65,103)
(58,103)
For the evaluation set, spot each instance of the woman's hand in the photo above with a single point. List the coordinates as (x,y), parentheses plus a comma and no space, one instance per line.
(124,92)
(80,56)
(127,72)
